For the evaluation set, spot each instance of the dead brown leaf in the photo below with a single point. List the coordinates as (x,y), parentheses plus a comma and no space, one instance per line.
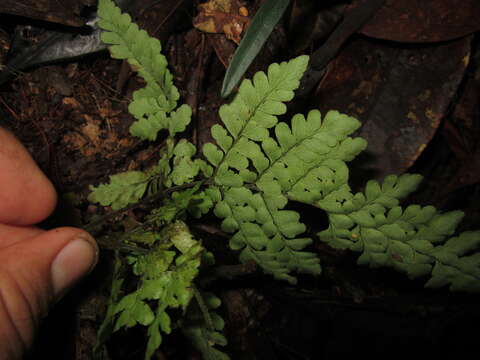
(399,93)
(65,12)
(423,21)
(229,17)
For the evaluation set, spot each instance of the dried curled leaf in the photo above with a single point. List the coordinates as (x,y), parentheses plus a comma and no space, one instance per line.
(222,16)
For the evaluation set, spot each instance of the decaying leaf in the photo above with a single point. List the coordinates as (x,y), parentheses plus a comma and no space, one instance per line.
(64,12)
(399,93)
(423,21)
(222,16)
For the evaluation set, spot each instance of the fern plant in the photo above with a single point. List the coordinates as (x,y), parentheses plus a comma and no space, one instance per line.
(257,165)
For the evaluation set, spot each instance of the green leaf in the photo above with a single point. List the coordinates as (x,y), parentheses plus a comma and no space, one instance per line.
(181,237)
(166,280)
(124,189)
(221,137)
(185,169)
(462,244)
(401,186)
(247,121)
(179,119)
(202,325)
(372,190)
(363,218)
(133,310)
(154,105)
(154,338)
(107,326)
(265,233)
(258,32)
(409,240)
(213,154)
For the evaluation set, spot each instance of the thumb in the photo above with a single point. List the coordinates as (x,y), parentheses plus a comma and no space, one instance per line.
(34,274)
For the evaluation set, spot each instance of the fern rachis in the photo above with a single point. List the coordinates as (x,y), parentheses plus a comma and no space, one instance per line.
(246,178)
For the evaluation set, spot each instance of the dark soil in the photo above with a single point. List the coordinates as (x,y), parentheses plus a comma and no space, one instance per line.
(72,116)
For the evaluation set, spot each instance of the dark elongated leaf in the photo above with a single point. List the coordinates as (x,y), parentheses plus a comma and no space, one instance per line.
(423,21)
(397,128)
(258,32)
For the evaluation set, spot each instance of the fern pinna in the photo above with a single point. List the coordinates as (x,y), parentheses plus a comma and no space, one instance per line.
(247,178)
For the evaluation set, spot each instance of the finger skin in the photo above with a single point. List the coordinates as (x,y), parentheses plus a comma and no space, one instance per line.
(36,266)
(26,195)
(11,234)
(26,287)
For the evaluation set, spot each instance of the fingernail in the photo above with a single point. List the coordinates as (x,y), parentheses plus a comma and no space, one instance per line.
(73,262)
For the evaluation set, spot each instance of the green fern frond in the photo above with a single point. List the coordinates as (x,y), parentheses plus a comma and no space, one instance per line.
(453,266)
(166,275)
(203,326)
(411,240)
(184,167)
(175,167)
(263,231)
(304,163)
(173,207)
(106,328)
(202,202)
(153,106)
(307,161)
(247,119)
(123,189)
(256,166)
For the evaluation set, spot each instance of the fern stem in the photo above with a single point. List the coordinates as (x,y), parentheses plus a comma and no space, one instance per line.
(94,227)
(106,242)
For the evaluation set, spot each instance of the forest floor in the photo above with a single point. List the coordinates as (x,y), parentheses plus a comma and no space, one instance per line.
(412,80)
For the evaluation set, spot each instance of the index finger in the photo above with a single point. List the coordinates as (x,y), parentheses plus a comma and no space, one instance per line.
(26,195)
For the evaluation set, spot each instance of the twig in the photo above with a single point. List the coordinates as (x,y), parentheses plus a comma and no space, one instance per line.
(353,21)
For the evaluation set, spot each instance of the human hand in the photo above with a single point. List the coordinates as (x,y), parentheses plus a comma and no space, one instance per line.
(37,267)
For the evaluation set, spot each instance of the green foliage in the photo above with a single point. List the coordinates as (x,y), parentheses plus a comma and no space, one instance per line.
(257,165)
(247,154)
(106,328)
(203,326)
(123,189)
(303,162)
(175,167)
(165,276)
(411,240)
(154,106)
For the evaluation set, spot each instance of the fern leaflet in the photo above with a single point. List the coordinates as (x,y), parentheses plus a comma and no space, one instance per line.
(175,167)
(153,106)
(409,240)
(166,274)
(203,326)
